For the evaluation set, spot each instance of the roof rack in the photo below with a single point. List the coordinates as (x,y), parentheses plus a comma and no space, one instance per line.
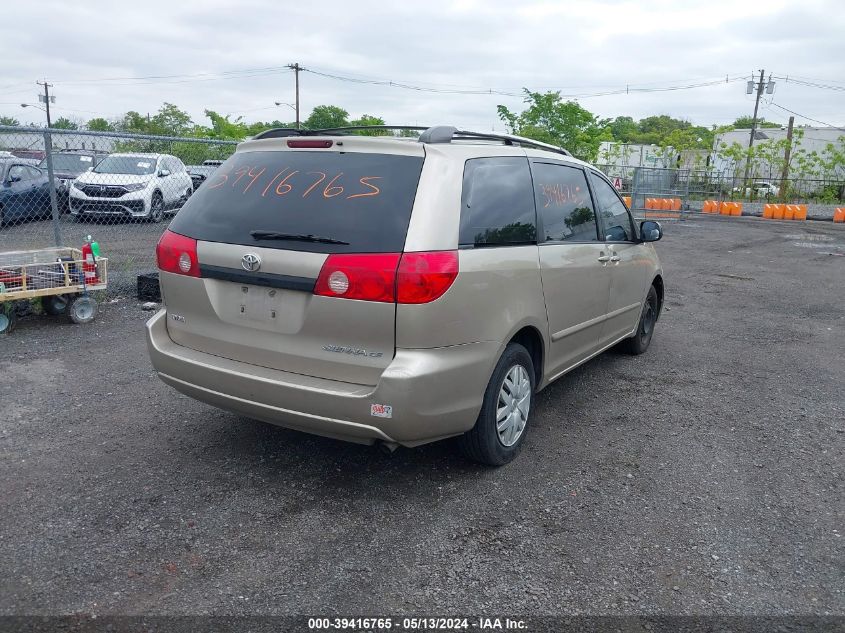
(433,134)
(447,133)
(281,132)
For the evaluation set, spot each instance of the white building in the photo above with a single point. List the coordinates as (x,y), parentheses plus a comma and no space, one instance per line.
(813,139)
(619,155)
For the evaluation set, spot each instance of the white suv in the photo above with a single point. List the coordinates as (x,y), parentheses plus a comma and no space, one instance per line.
(131,185)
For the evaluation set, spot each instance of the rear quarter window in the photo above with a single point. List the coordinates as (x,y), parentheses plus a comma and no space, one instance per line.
(360,198)
(497,203)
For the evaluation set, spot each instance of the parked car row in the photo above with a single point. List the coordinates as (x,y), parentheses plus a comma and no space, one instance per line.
(95,184)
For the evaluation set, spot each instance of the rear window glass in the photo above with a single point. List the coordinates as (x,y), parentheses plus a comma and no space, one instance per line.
(362,199)
(497,203)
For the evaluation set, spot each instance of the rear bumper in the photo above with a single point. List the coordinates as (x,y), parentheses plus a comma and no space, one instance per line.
(434,393)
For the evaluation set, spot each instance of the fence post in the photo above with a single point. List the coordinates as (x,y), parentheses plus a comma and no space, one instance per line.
(54,200)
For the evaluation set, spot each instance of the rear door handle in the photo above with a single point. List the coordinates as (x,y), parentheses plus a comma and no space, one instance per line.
(615,258)
(604,258)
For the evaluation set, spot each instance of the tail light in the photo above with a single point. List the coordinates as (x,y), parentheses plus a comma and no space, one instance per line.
(388,277)
(177,254)
(368,277)
(424,277)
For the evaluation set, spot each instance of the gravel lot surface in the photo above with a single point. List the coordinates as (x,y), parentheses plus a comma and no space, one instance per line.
(704,477)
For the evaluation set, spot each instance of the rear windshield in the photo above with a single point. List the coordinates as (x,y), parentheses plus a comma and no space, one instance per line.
(362,199)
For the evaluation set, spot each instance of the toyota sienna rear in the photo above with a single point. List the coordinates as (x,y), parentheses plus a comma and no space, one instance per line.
(378,289)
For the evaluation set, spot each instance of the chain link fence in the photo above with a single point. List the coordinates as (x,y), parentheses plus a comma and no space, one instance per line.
(59,186)
(822,195)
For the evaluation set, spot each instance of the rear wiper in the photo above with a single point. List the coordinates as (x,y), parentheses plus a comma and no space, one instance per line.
(274,235)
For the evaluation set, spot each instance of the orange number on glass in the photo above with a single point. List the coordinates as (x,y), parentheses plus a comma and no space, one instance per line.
(329,187)
(273,180)
(311,188)
(284,183)
(243,171)
(375,190)
(254,178)
(223,179)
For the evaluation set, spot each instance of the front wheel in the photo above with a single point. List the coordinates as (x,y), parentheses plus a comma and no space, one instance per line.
(639,343)
(82,309)
(156,208)
(502,423)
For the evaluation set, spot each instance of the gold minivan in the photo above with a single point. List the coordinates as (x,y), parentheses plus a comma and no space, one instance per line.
(394,290)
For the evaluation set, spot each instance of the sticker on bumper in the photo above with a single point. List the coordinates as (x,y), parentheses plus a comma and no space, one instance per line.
(381,410)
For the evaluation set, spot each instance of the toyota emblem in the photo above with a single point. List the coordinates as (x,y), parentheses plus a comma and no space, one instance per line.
(251,262)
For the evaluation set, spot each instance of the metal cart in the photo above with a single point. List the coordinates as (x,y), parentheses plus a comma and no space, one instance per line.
(60,276)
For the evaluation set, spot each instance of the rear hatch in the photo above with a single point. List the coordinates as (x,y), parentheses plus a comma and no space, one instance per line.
(264,225)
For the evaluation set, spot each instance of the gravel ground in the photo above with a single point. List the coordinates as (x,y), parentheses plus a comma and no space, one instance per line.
(704,477)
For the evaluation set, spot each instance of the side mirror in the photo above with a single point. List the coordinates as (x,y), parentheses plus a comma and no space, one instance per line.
(163,172)
(650,231)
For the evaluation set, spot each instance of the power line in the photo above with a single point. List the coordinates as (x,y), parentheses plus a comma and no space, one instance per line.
(801,115)
(629,89)
(813,84)
(181,78)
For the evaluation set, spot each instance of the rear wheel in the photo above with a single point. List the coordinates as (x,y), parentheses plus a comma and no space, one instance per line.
(639,343)
(55,305)
(502,423)
(82,309)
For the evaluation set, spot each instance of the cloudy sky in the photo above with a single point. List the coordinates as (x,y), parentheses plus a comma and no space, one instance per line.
(107,57)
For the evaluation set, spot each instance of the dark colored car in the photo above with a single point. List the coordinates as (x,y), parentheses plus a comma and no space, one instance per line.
(24,191)
(200,173)
(67,165)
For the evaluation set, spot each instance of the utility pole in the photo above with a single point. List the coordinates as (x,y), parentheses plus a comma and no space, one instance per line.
(296,68)
(786,155)
(760,85)
(46,99)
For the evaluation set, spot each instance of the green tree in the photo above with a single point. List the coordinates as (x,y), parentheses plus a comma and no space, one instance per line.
(9,120)
(624,129)
(63,123)
(327,116)
(367,119)
(168,121)
(99,124)
(744,123)
(171,121)
(222,127)
(563,123)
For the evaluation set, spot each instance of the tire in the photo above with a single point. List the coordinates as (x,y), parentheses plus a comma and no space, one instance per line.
(8,317)
(55,305)
(639,343)
(156,213)
(82,309)
(485,443)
